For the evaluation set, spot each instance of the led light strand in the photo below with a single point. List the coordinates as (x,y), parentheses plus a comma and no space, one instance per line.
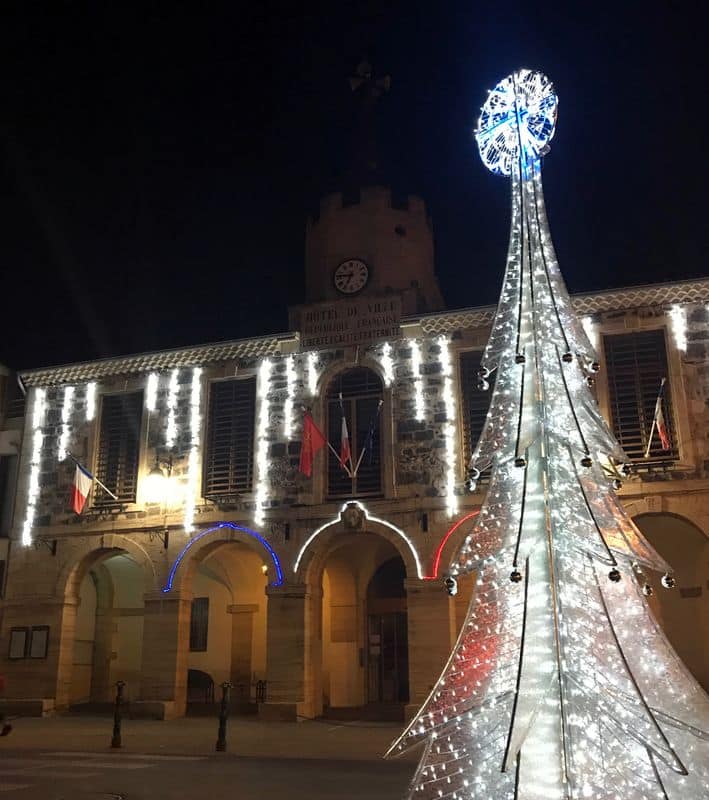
(192,461)
(173,389)
(418,381)
(387,363)
(591,331)
(90,400)
(370,518)
(449,429)
(38,416)
(216,528)
(291,377)
(151,391)
(678,317)
(67,409)
(313,374)
(264,416)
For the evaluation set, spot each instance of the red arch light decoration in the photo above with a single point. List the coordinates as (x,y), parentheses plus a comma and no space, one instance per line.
(439,551)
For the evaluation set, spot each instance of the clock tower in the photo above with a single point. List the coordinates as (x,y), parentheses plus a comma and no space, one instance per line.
(367,241)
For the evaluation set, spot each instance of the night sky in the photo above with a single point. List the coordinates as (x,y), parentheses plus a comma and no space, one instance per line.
(158,161)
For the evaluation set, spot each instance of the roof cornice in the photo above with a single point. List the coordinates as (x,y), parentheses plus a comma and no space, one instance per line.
(658,295)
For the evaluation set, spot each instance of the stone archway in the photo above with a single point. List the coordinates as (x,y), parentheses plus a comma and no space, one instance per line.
(683,612)
(101,630)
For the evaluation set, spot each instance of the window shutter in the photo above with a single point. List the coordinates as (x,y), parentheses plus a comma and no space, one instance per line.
(636,363)
(119,447)
(199,624)
(229,466)
(475,402)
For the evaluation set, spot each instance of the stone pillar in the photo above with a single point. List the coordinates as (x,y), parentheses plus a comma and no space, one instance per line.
(39,685)
(432,632)
(242,635)
(166,638)
(294,654)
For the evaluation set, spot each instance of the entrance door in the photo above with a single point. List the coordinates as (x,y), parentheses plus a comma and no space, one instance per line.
(388,658)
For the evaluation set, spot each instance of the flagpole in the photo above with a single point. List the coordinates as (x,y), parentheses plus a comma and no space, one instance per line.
(364,449)
(654,417)
(351,471)
(103,486)
(649,441)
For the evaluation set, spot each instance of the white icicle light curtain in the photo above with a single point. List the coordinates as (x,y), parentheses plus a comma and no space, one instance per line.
(561,686)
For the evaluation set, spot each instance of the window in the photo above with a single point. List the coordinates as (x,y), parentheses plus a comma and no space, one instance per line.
(199,624)
(636,364)
(361,391)
(119,447)
(229,465)
(475,403)
(8,471)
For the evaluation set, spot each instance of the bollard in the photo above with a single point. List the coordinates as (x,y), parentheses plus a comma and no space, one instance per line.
(223,716)
(116,739)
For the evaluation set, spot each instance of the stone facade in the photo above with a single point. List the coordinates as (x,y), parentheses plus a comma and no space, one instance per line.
(298,585)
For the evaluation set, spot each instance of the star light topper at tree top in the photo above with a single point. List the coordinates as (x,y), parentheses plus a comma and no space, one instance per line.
(561,684)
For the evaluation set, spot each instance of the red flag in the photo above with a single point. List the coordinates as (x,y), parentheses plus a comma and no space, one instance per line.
(345,452)
(313,440)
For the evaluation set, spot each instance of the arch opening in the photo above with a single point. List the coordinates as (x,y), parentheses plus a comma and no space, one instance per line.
(682,612)
(227,581)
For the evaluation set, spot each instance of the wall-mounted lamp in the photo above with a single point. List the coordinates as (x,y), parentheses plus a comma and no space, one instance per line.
(156,481)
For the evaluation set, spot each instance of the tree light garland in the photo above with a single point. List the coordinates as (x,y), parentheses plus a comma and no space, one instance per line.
(561,685)
(387,363)
(90,400)
(67,409)
(151,391)
(313,374)
(173,389)
(264,416)
(193,459)
(449,429)
(418,381)
(39,410)
(291,377)
(678,317)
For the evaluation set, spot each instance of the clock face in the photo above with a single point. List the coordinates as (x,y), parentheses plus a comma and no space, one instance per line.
(351,276)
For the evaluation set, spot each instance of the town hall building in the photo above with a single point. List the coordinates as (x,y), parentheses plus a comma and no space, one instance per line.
(205,555)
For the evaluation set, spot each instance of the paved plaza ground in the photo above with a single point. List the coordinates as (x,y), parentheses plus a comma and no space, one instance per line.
(67,757)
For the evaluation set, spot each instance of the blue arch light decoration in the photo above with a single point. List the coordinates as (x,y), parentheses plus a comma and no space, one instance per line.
(220,526)
(518,115)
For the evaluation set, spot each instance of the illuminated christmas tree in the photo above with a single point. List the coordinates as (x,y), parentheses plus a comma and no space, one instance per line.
(561,683)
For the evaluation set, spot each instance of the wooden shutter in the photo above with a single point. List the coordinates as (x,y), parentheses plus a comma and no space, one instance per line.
(475,402)
(636,363)
(119,447)
(229,465)
(361,391)
(199,624)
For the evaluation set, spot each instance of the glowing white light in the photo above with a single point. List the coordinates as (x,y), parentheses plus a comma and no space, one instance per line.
(90,400)
(38,416)
(367,516)
(291,377)
(449,431)
(173,389)
(192,462)
(418,381)
(591,331)
(313,373)
(67,408)
(678,316)
(151,391)
(387,363)
(264,385)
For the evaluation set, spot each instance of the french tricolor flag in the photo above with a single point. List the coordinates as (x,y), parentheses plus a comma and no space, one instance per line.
(81,487)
